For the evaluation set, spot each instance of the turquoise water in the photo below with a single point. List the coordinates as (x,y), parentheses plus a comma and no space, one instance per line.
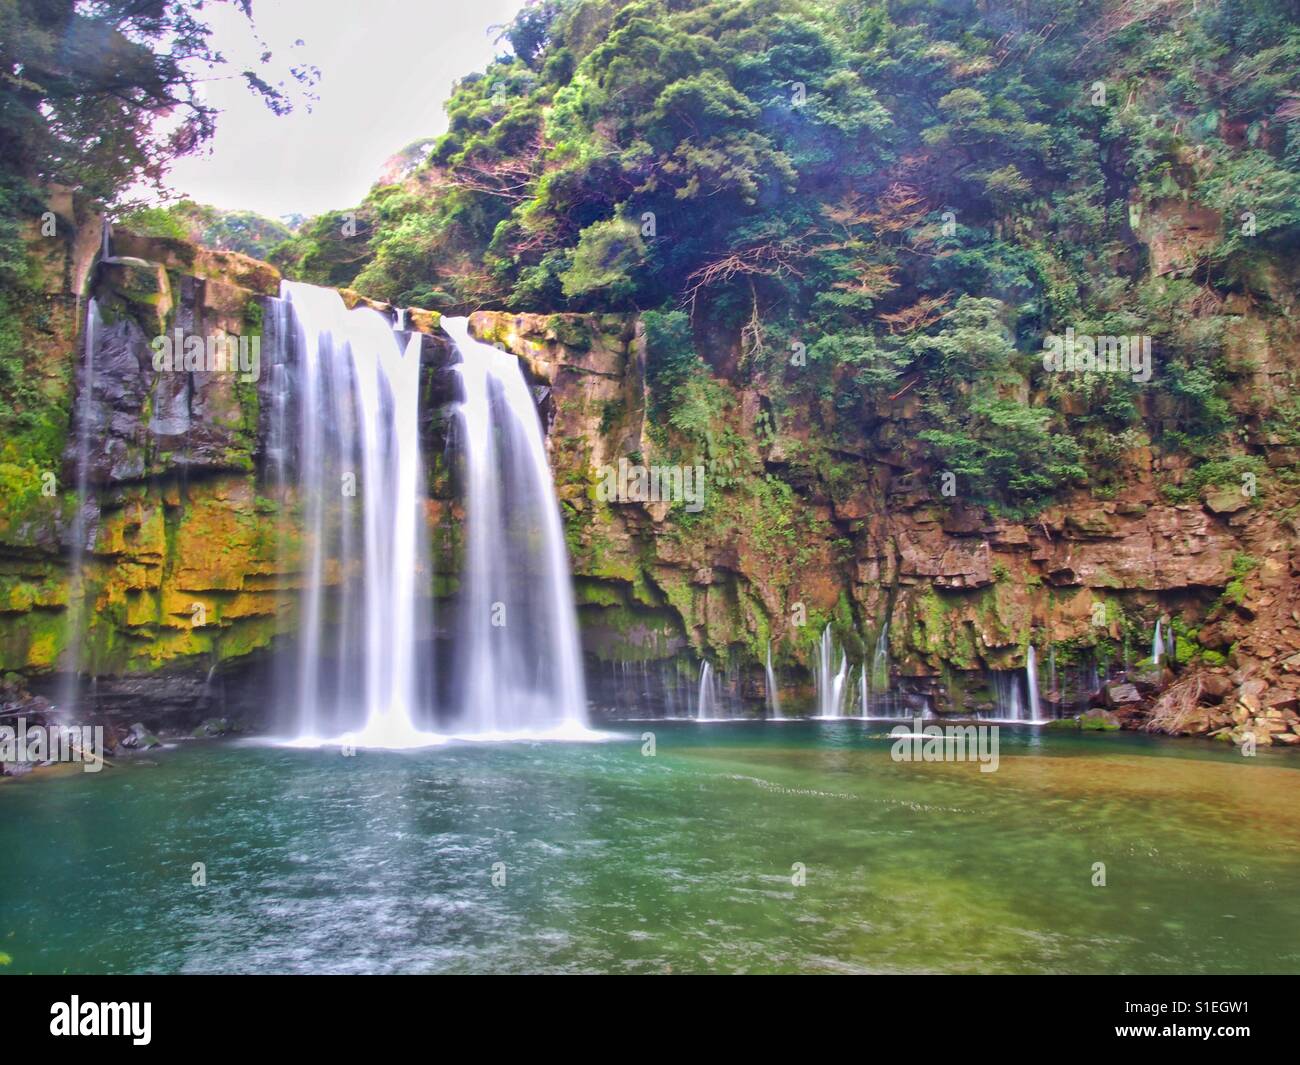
(680,862)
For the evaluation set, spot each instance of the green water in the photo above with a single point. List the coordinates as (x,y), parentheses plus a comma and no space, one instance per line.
(680,862)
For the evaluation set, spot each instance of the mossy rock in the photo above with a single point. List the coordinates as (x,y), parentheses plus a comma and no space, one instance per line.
(574,333)
(1099,721)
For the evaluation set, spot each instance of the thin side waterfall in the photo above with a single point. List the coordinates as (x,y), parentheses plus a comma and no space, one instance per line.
(880,660)
(1157,644)
(773,693)
(78,533)
(359,478)
(519,661)
(877,699)
(1017,693)
(277,342)
(1031,683)
(706,703)
(1009,696)
(830,685)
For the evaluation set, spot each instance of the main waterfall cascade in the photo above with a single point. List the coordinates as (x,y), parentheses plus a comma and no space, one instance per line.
(350,468)
(355,389)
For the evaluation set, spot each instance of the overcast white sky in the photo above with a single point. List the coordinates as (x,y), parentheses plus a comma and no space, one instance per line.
(387,67)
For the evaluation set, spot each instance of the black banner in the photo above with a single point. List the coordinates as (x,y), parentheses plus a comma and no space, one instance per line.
(215,1013)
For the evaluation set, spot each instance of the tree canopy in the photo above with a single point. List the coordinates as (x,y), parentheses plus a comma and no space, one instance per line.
(887,182)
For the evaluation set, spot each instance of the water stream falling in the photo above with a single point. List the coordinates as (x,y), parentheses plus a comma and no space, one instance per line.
(519,666)
(1157,645)
(706,704)
(1016,693)
(880,660)
(1009,696)
(78,533)
(773,692)
(344,390)
(359,489)
(830,685)
(1031,683)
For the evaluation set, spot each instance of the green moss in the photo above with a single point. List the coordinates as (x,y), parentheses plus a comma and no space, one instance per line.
(573,332)
(588,592)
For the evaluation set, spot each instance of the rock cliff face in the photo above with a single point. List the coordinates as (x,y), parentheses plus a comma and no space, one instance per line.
(176,549)
(192,574)
(965,594)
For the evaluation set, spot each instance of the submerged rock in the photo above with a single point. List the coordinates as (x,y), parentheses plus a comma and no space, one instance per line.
(139,738)
(215,726)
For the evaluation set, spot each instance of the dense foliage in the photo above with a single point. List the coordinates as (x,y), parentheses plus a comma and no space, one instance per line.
(242,231)
(101,95)
(915,192)
(96,96)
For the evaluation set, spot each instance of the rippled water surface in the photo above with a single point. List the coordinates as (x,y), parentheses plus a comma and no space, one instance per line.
(680,862)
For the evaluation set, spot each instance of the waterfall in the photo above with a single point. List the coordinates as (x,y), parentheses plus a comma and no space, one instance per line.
(1010,703)
(277,345)
(1157,645)
(880,660)
(1017,698)
(359,486)
(78,533)
(773,694)
(706,704)
(1031,682)
(830,686)
(519,665)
